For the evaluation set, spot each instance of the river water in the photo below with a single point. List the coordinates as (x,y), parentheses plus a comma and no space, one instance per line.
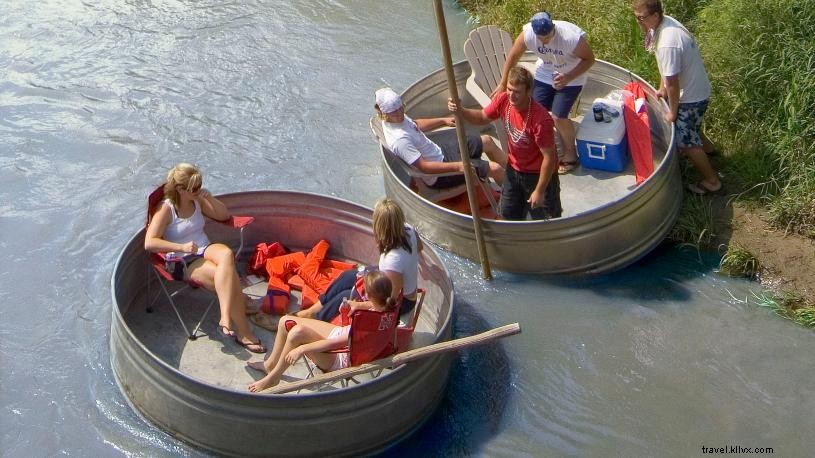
(98,99)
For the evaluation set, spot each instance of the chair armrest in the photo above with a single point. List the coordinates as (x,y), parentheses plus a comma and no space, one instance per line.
(238,222)
(476,92)
(157,260)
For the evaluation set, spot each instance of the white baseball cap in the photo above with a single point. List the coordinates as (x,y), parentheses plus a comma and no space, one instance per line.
(388,100)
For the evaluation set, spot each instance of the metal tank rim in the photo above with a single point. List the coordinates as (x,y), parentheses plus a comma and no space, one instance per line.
(131,359)
(664,184)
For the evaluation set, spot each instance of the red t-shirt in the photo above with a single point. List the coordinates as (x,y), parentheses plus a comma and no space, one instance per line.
(525,154)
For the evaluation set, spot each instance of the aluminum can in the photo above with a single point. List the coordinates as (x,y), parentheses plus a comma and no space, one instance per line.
(597,109)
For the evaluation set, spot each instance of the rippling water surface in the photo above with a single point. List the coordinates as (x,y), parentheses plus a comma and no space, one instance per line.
(98,99)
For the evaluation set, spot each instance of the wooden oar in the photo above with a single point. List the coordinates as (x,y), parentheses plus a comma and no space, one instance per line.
(462,142)
(400,359)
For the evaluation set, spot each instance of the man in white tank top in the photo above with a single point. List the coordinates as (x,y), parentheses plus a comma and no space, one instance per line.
(564,57)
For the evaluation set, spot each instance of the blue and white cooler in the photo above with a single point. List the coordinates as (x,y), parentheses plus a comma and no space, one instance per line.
(602,145)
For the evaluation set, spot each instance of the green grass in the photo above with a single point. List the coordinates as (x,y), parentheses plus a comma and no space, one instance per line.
(789,306)
(694,226)
(760,58)
(739,262)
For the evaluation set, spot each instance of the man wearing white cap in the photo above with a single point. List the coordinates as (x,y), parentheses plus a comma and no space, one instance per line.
(405,138)
(564,57)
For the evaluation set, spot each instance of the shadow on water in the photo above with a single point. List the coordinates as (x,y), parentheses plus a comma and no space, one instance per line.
(686,263)
(473,405)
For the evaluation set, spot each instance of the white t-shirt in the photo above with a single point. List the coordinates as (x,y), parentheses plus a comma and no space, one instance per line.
(400,261)
(406,141)
(678,55)
(557,55)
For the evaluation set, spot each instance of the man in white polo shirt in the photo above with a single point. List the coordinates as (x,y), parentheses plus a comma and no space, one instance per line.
(405,138)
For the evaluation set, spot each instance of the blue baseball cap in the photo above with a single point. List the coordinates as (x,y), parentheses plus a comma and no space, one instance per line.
(542,23)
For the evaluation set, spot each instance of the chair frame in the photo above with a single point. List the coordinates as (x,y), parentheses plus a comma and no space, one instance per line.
(157,264)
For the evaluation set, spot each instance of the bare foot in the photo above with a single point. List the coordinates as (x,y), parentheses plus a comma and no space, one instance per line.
(262,384)
(266,321)
(257,365)
(226,331)
(305,313)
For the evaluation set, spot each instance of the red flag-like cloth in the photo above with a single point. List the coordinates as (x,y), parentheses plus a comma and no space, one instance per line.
(638,131)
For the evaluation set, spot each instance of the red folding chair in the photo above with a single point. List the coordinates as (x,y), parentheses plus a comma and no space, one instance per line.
(372,336)
(158,262)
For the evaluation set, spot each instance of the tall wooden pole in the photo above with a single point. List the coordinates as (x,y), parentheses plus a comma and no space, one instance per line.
(462,141)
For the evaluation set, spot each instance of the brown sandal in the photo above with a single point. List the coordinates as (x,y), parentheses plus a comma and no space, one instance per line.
(258,346)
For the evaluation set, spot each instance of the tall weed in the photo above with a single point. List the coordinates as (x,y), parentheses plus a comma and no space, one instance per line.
(761,59)
(760,56)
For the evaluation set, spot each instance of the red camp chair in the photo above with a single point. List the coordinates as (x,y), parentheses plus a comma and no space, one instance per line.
(372,336)
(158,262)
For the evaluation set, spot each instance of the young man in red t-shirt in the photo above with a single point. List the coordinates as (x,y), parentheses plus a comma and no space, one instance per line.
(531,184)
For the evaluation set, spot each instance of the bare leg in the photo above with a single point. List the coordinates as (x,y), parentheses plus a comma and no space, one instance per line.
(496,172)
(220,274)
(305,332)
(493,151)
(707,145)
(701,163)
(565,129)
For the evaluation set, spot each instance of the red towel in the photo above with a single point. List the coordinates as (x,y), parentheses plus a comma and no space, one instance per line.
(638,131)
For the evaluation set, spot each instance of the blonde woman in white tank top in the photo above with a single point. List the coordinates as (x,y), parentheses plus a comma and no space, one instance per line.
(178,226)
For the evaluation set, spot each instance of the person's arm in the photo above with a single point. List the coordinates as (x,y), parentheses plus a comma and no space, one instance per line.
(471,115)
(548,166)
(397,283)
(360,305)
(670,89)
(432,167)
(211,206)
(153,237)
(586,55)
(427,124)
(518,49)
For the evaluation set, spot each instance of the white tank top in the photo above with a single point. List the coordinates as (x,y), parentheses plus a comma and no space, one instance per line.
(558,55)
(183,230)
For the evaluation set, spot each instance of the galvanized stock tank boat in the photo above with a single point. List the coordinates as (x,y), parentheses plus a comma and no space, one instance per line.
(196,390)
(608,221)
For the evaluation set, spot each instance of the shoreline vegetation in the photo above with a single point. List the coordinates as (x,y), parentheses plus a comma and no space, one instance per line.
(759,57)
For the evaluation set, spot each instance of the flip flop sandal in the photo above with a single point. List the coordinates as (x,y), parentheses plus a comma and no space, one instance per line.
(226,332)
(700,189)
(259,348)
(565,167)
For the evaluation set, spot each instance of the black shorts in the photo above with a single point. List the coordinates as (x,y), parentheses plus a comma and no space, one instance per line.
(448,142)
(178,268)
